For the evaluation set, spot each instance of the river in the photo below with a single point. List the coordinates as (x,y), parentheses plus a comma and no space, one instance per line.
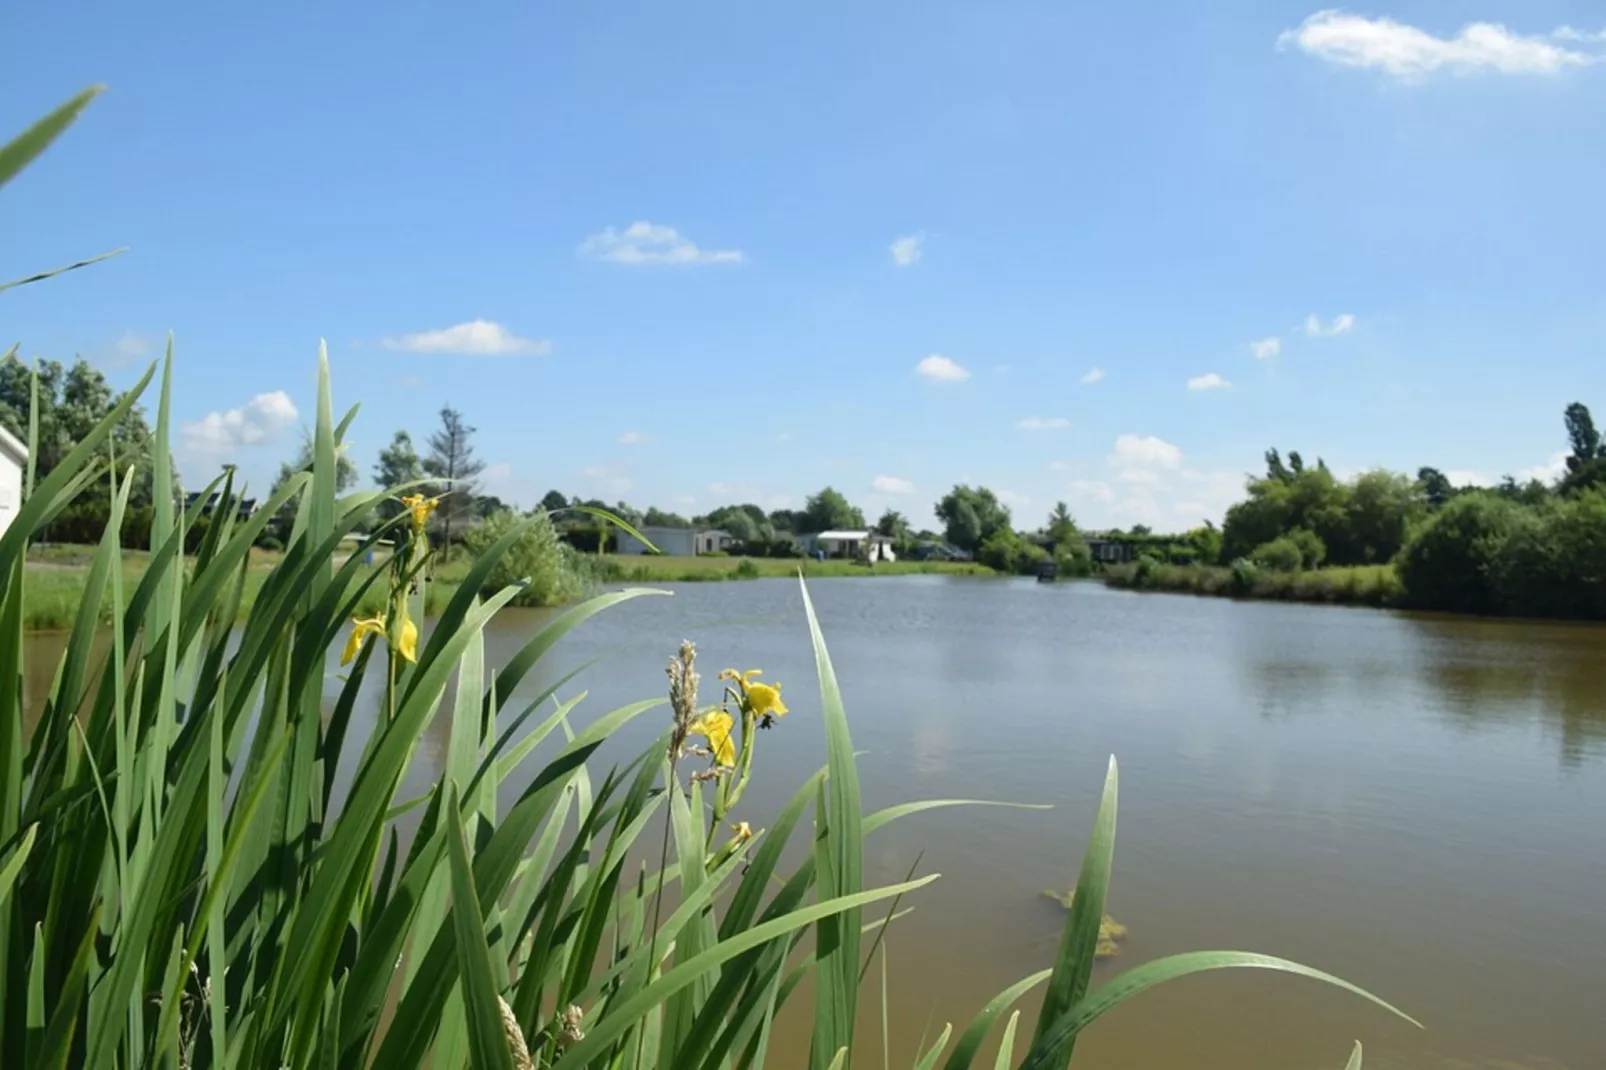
(1417,804)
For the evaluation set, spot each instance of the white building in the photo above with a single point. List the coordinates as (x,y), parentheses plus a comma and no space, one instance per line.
(677,542)
(849,544)
(13,460)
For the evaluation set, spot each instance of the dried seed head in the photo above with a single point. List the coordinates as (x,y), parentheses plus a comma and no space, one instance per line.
(683,680)
(515,1037)
(570,1022)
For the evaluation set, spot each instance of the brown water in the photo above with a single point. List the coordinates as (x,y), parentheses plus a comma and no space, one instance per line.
(1417,804)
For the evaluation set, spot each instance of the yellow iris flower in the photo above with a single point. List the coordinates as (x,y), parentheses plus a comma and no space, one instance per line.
(716,728)
(743,832)
(421,508)
(765,701)
(362,628)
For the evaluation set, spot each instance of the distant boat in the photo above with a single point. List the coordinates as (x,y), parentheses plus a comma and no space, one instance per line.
(1047,572)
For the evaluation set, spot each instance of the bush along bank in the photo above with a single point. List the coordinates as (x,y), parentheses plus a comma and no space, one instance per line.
(1363,585)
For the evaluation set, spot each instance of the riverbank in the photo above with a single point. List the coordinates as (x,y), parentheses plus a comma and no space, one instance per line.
(58,577)
(664,568)
(1363,585)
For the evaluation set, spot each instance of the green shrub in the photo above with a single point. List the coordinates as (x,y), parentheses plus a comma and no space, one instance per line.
(548,572)
(1454,560)
(746,569)
(1244,573)
(1281,554)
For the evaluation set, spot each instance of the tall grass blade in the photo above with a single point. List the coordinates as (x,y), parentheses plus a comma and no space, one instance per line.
(1073,965)
(970,1040)
(841,874)
(21,150)
(1089,1008)
(1006,1045)
(487,1042)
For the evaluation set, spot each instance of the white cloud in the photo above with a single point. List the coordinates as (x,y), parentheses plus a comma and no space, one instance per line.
(1550,471)
(1145,451)
(1013,499)
(480,338)
(1093,375)
(652,243)
(943,369)
(892,485)
(732,490)
(1411,54)
(907,250)
(1466,477)
(132,345)
(1340,324)
(1044,423)
(632,438)
(1266,348)
(259,420)
(1208,381)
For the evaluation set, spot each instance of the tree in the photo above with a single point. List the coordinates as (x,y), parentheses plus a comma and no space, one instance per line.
(71,403)
(895,526)
(736,522)
(1582,435)
(1435,486)
(345,467)
(971,516)
(451,459)
(785,520)
(1380,509)
(1061,527)
(554,500)
(397,466)
(658,518)
(829,511)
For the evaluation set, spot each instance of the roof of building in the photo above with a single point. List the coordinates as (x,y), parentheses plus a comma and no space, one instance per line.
(842,535)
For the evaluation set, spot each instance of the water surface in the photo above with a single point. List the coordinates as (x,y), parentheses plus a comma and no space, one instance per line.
(1417,804)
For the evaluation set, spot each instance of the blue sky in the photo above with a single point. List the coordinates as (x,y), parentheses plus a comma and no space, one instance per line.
(688,254)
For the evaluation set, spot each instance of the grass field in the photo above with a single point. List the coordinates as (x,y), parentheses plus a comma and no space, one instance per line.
(57,577)
(642,568)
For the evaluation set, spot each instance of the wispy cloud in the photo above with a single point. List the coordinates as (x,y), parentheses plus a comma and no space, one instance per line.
(1044,423)
(652,243)
(1266,348)
(1410,54)
(1339,324)
(632,438)
(943,369)
(1208,381)
(477,338)
(608,479)
(1013,499)
(892,485)
(907,250)
(1144,451)
(1093,375)
(259,420)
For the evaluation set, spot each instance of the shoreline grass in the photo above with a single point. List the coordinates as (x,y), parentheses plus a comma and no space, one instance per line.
(1377,586)
(664,568)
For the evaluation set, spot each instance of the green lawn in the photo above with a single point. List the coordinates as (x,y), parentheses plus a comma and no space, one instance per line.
(58,575)
(643,568)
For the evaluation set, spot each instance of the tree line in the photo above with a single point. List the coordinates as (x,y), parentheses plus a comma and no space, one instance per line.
(1520,547)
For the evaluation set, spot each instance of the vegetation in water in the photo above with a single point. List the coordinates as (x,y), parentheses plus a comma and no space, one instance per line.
(1111,932)
(182,884)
